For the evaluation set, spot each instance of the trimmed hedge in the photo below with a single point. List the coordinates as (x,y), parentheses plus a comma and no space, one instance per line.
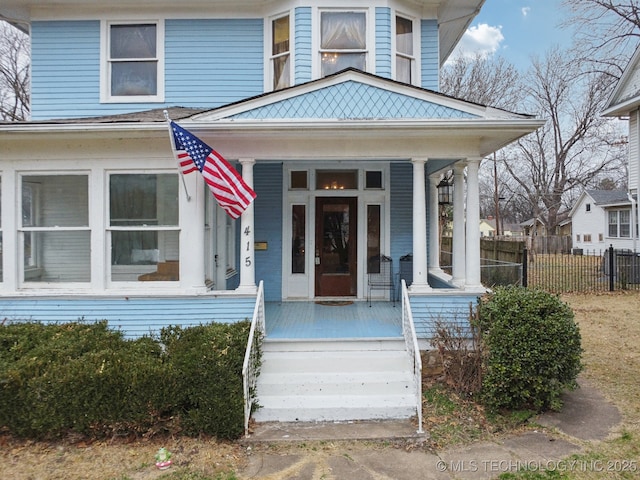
(532,349)
(88,379)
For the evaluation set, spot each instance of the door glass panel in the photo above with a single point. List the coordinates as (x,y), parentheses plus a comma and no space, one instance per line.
(335,245)
(298,220)
(373,238)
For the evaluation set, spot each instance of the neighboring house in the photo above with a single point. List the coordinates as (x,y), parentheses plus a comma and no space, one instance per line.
(601,218)
(512,230)
(332,113)
(487,227)
(624,103)
(533,228)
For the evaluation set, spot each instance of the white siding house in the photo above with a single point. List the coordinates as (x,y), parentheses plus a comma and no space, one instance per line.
(600,219)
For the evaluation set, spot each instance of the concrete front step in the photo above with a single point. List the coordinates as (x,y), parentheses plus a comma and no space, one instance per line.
(335,381)
(343,344)
(296,408)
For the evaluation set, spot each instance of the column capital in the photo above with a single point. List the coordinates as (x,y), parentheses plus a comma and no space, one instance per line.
(247,161)
(419,160)
(458,167)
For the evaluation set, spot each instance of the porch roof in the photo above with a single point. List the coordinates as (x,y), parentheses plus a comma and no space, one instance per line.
(349,115)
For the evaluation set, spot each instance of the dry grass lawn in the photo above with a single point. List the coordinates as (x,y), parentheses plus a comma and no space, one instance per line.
(610,329)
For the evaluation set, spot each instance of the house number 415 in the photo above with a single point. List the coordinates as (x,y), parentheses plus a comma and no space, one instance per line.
(247,259)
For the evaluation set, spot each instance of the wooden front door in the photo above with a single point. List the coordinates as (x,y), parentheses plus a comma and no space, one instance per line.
(336,246)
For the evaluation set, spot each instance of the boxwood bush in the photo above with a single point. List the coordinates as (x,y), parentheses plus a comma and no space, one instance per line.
(89,379)
(532,349)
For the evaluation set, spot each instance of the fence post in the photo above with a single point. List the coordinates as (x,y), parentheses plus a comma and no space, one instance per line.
(525,263)
(611,269)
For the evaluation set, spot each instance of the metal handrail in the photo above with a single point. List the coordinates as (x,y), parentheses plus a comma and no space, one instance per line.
(413,349)
(251,365)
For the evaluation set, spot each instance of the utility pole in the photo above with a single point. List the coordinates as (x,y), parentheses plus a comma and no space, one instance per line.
(496,197)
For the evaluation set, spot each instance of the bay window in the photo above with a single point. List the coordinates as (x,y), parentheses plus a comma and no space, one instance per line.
(343,41)
(404,50)
(280,53)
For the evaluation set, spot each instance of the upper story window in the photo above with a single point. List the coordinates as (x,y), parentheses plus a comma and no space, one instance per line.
(280,53)
(343,41)
(405,60)
(133,62)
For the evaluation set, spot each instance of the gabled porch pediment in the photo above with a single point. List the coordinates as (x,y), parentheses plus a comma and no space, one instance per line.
(349,95)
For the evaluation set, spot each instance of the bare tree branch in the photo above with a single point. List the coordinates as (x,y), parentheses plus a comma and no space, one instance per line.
(14,73)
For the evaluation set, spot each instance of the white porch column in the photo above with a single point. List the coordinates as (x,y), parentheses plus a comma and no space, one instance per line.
(191,208)
(247,247)
(420,283)
(434,226)
(458,244)
(473,226)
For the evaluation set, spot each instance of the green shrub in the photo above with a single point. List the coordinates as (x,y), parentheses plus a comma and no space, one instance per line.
(209,386)
(88,379)
(532,349)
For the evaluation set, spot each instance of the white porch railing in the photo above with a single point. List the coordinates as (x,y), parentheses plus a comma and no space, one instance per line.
(251,365)
(411,342)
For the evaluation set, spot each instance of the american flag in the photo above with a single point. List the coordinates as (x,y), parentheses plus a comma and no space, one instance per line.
(226,184)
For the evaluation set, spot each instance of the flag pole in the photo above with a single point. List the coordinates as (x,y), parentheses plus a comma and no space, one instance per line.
(175,155)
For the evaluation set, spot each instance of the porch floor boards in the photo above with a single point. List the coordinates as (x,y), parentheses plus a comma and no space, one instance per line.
(310,320)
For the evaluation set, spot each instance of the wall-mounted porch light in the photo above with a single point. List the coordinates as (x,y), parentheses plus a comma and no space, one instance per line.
(444,192)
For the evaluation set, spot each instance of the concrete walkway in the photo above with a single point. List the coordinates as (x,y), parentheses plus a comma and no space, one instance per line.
(586,416)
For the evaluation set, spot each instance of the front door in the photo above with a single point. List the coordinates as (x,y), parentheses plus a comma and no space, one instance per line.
(336,247)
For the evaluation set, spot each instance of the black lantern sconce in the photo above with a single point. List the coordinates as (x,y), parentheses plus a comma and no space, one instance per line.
(444,192)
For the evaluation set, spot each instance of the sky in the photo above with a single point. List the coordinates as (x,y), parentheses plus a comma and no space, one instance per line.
(516,29)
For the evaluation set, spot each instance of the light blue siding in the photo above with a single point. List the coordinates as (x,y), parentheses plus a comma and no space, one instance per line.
(208,63)
(383,42)
(429,54)
(401,211)
(303,54)
(134,316)
(351,100)
(65,69)
(268,228)
(213,62)
(451,308)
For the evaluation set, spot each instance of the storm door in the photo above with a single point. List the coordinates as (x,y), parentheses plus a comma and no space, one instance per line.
(336,247)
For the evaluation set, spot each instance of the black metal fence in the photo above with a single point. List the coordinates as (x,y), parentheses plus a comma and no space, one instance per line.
(583,271)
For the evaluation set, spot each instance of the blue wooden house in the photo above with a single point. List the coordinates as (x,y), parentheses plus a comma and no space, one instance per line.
(329,109)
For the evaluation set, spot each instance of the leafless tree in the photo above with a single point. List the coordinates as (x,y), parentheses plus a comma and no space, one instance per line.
(14,73)
(607,31)
(482,79)
(576,145)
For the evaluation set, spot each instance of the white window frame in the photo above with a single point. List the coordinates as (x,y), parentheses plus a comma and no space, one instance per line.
(618,224)
(28,272)
(270,57)
(105,63)
(369,50)
(155,228)
(415,71)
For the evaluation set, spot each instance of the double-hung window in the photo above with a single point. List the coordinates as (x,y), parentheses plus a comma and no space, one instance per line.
(143,227)
(620,223)
(343,41)
(55,238)
(280,53)
(405,60)
(133,63)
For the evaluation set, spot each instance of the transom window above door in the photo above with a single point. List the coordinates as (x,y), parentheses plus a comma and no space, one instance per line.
(343,41)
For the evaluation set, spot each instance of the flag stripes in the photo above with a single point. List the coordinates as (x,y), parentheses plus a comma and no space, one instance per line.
(225,183)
